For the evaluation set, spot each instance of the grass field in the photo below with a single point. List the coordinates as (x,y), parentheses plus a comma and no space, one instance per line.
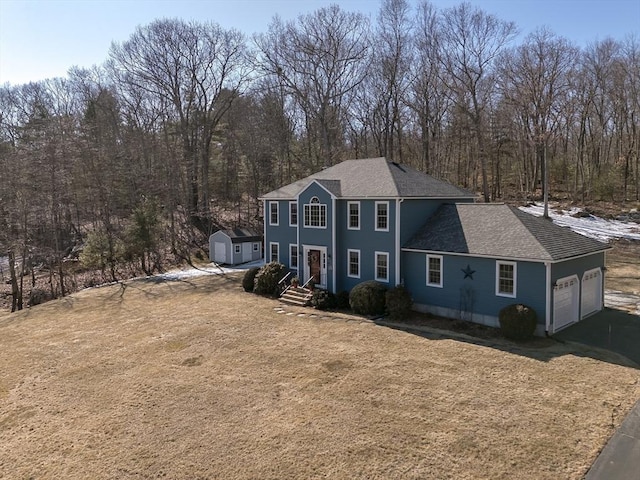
(197,379)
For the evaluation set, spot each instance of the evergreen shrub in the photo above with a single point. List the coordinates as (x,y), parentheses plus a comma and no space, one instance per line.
(398,302)
(518,322)
(368,298)
(267,278)
(249,279)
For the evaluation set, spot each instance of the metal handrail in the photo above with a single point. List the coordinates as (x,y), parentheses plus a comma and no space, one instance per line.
(284,278)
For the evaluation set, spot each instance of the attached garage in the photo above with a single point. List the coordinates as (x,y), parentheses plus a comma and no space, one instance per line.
(235,246)
(488,256)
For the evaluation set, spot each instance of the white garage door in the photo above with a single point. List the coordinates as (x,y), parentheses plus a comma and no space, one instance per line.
(591,292)
(566,305)
(220,254)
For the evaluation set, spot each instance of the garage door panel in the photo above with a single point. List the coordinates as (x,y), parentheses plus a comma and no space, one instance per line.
(566,294)
(591,299)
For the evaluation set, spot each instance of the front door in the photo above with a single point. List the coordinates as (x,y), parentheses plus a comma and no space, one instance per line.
(314,266)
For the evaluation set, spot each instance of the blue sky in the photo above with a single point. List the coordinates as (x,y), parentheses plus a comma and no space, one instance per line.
(43,38)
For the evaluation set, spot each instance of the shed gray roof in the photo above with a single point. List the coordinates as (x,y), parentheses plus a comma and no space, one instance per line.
(244,234)
(500,231)
(373,178)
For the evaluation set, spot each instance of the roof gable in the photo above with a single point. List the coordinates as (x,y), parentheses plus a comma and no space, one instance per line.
(500,231)
(373,178)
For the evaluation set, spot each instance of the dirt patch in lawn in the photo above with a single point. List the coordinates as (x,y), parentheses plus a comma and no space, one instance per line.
(197,379)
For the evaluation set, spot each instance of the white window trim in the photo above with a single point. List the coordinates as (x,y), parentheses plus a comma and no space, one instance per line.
(277,222)
(290,205)
(271,244)
(429,284)
(256,247)
(291,247)
(320,206)
(349,252)
(349,227)
(515,279)
(376,217)
(236,248)
(375,265)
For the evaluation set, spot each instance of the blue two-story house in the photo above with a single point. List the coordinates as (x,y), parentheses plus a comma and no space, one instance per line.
(371,219)
(347,223)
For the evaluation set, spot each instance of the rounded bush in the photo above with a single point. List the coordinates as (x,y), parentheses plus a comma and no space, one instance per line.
(398,302)
(518,322)
(249,279)
(323,300)
(267,278)
(367,298)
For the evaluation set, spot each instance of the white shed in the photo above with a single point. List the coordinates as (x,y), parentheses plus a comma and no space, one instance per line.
(235,246)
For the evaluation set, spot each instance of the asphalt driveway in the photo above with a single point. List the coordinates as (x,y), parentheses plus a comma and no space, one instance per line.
(611,329)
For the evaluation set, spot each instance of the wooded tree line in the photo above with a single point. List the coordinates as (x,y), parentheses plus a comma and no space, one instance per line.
(187,123)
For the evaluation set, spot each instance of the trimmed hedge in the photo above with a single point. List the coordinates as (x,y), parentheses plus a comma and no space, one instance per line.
(368,298)
(518,322)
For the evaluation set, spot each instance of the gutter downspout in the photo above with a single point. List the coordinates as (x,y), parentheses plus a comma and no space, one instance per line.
(548,298)
(334,254)
(264,231)
(398,223)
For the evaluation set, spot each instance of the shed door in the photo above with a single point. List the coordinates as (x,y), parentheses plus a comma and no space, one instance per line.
(246,252)
(591,292)
(566,302)
(220,253)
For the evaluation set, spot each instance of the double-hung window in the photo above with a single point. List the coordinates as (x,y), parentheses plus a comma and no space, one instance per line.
(506,279)
(382,216)
(382,266)
(273,213)
(434,270)
(315,214)
(237,248)
(274,252)
(353,216)
(353,266)
(293,214)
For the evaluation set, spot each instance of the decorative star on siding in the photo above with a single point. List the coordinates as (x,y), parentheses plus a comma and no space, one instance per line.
(468,273)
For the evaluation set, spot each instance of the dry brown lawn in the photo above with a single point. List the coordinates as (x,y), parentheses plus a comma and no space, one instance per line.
(197,379)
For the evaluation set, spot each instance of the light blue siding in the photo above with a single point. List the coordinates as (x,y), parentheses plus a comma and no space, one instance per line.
(576,266)
(282,234)
(367,240)
(477,294)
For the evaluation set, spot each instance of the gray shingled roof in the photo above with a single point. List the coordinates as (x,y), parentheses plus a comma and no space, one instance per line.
(501,231)
(244,234)
(373,178)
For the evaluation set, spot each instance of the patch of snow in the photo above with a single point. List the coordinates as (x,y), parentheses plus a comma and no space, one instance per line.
(590,226)
(209,270)
(617,299)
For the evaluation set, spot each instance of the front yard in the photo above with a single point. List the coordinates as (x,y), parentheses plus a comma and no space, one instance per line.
(196,379)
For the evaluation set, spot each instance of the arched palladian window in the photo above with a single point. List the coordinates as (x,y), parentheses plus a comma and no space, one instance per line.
(315,214)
